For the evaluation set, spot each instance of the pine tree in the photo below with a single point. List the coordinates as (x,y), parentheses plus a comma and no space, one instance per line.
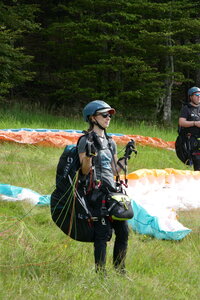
(15,21)
(166,28)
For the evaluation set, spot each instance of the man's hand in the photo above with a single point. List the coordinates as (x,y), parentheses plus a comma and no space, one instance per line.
(197,123)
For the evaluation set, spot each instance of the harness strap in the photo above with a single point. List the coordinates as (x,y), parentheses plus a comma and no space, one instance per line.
(113,157)
(119,164)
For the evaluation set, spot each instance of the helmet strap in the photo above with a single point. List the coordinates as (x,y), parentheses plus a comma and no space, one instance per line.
(97,124)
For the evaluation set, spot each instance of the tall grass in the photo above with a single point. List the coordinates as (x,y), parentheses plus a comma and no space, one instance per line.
(19,117)
(39,262)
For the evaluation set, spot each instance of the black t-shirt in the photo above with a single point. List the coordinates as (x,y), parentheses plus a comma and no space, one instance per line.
(191,113)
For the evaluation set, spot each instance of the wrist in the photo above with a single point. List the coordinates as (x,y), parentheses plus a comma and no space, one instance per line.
(88,158)
(194,124)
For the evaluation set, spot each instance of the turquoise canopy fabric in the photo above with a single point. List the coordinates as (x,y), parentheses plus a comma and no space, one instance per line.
(142,222)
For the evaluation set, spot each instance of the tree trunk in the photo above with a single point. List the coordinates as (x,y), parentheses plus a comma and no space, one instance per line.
(197,79)
(169,81)
(167,101)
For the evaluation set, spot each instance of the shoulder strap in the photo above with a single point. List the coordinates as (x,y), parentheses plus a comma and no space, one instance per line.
(109,139)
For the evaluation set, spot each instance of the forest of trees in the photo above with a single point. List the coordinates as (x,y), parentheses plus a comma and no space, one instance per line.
(141,56)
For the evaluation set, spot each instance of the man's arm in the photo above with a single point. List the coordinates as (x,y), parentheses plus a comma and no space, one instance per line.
(184,123)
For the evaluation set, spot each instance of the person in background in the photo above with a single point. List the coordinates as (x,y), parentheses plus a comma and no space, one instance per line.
(97,156)
(189,123)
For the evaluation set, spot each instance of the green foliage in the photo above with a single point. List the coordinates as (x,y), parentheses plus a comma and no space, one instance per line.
(133,54)
(114,51)
(15,21)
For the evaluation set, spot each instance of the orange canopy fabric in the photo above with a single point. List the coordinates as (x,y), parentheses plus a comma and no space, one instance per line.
(62,138)
(166,173)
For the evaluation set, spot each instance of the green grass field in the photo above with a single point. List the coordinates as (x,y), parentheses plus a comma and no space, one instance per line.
(39,262)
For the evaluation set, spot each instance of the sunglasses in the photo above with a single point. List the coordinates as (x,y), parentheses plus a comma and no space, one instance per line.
(105,115)
(197,95)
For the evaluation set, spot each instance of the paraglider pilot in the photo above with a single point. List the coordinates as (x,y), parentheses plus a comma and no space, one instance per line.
(95,154)
(189,122)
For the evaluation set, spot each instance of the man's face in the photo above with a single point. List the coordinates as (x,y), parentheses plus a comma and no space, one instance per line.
(195,98)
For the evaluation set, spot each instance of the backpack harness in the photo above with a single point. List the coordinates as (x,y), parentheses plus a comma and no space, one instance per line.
(71,185)
(187,142)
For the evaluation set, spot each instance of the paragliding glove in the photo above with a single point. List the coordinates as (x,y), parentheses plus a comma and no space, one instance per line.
(95,138)
(130,148)
(90,149)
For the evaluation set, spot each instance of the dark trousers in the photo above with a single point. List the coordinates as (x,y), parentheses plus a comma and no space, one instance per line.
(103,233)
(196,161)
